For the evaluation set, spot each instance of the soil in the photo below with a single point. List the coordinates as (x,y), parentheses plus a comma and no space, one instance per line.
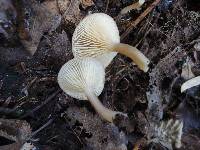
(31,54)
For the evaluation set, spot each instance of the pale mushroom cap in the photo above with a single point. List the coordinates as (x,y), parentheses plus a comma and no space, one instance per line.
(94,37)
(190,83)
(77,74)
(141,2)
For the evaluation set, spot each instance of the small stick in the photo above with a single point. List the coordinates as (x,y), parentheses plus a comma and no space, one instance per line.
(139,19)
(107,3)
(25,89)
(43,103)
(8,112)
(136,5)
(23,66)
(41,128)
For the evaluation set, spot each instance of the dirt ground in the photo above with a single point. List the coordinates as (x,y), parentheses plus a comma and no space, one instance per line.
(35,41)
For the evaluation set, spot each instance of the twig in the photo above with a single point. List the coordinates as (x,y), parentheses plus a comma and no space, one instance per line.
(7,101)
(107,3)
(139,19)
(6,110)
(23,66)
(25,89)
(47,79)
(133,6)
(42,104)
(41,128)
(66,11)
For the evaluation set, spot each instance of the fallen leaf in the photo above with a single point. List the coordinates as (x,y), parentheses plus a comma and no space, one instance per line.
(104,136)
(43,19)
(70,11)
(14,130)
(51,6)
(86,3)
(54,50)
(7,23)
(191,141)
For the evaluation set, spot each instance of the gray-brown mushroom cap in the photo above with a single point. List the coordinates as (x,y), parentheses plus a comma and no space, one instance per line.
(78,74)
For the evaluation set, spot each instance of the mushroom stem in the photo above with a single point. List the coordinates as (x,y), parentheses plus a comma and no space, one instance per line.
(132,52)
(132,6)
(104,112)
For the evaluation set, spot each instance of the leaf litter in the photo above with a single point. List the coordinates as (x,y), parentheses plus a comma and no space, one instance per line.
(169,36)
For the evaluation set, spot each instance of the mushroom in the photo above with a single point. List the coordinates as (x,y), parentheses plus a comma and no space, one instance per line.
(132,6)
(97,36)
(84,79)
(190,83)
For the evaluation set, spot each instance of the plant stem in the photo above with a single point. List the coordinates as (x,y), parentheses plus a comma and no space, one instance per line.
(132,52)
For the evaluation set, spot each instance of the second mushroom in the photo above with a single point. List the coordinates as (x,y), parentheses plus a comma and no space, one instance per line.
(97,36)
(84,79)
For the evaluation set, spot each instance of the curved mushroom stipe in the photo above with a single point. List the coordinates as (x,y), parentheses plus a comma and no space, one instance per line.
(104,112)
(134,54)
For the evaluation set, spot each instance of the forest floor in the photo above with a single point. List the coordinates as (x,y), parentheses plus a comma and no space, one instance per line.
(35,41)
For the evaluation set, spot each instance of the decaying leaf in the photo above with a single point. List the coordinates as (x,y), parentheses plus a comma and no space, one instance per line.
(42,19)
(191,141)
(103,135)
(7,21)
(156,95)
(70,11)
(51,6)
(167,133)
(54,50)
(86,3)
(14,130)
(187,69)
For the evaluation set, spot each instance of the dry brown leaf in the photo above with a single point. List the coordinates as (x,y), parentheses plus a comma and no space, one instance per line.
(45,19)
(51,6)
(14,146)
(92,124)
(191,141)
(15,130)
(70,10)
(54,50)
(86,3)
(7,22)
